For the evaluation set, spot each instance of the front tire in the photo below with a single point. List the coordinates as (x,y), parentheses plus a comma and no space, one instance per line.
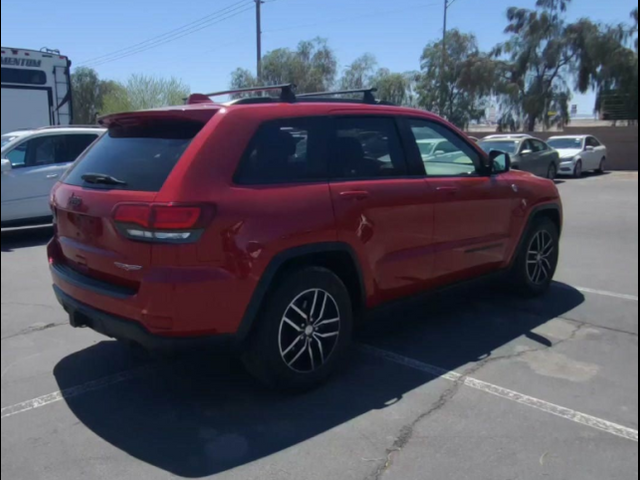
(579,171)
(552,173)
(304,334)
(533,271)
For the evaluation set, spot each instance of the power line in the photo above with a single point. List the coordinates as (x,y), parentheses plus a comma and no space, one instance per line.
(188,29)
(346,19)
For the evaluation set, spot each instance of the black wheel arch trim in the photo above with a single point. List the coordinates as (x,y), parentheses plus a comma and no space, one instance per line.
(549,207)
(275,267)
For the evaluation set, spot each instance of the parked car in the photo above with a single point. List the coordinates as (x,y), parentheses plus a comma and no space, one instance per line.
(32,162)
(208,225)
(528,154)
(580,153)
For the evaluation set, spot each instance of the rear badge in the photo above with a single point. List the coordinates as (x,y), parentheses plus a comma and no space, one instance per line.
(128,268)
(75,202)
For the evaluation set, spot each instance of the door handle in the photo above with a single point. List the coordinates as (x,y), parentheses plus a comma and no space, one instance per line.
(52,176)
(355,195)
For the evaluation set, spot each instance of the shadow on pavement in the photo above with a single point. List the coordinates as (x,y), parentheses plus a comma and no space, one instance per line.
(202,416)
(13,240)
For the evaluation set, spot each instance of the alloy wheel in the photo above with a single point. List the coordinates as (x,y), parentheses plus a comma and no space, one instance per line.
(539,255)
(309,331)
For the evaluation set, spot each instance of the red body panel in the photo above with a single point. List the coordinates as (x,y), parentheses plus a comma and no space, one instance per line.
(408,234)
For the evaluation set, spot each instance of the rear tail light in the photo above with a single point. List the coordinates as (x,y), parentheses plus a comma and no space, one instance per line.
(163,223)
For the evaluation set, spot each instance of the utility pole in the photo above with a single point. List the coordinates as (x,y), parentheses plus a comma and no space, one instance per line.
(259,37)
(445,55)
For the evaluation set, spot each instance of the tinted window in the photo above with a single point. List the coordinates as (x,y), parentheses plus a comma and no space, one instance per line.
(592,142)
(24,77)
(287,151)
(449,156)
(538,146)
(76,144)
(367,148)
(141,156)
(41,151)
(18,156)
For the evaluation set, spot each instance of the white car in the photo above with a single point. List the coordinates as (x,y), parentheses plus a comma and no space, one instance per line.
(32,162)
(580,153)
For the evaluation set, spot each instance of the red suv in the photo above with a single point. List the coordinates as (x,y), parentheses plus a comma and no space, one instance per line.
(271,225)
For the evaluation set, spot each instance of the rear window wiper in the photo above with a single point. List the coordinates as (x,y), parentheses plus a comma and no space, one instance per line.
(102,179)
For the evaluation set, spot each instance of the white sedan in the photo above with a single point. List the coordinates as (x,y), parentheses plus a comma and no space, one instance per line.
(580,153)
(32,162)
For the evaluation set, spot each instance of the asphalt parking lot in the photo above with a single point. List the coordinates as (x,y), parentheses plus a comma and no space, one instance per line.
(475,385)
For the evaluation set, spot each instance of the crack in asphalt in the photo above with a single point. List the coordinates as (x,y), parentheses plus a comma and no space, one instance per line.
(35,329)
(407,432)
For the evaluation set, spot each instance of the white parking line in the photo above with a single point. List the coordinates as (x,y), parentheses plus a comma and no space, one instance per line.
(633,298)
(73,392)
(558,411)
(550,408)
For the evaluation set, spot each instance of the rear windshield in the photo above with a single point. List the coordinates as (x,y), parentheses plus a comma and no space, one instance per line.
(139,158)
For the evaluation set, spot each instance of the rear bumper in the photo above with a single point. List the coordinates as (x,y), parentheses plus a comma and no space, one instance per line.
(174,302)
(84,316)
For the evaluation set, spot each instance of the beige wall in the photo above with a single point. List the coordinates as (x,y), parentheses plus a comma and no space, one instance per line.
(622,143)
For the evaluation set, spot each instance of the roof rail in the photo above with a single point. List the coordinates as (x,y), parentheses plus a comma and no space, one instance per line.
(369,96)
(287,93)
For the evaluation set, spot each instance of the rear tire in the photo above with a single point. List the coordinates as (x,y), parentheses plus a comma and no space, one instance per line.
(579,171)
(602,169)
(552,173)
(304,334)
(534,268)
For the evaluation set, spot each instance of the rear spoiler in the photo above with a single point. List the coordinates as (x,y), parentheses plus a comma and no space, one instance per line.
(202,114)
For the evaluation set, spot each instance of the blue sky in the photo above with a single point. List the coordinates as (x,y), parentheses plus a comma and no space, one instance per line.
(396,32)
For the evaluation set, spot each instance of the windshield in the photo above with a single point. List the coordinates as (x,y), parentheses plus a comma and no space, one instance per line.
(566,143)
(7,139)
(502,146)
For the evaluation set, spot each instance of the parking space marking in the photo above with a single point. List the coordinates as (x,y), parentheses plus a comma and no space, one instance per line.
(73,392)
(550,408)
(633,298)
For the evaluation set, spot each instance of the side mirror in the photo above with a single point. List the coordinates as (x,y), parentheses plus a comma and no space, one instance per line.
(590,149)
(500,162)
(6,166)
(526,152)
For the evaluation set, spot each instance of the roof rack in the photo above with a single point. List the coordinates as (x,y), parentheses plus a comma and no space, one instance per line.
(369,96)
(287,93)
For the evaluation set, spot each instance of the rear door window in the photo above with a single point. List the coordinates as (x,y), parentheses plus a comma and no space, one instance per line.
(286,151)
(367,148)
(141,157)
